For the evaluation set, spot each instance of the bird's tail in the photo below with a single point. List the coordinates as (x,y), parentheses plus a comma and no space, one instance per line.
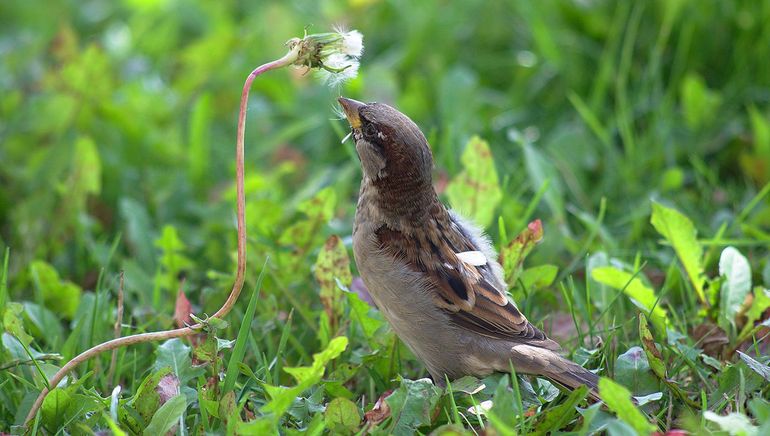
(572,375)
(542,361)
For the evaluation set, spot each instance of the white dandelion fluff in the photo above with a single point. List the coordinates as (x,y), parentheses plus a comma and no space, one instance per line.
(335,54)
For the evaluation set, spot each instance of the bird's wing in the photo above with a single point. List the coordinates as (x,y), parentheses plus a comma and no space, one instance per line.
(464,287)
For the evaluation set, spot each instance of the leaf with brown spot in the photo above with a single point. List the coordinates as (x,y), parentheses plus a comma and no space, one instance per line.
(475,192)
(513,254)
(650,349)
(380,412)
(167,388)
(331,267)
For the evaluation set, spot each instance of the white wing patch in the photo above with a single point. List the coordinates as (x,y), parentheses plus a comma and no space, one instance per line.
(475,258)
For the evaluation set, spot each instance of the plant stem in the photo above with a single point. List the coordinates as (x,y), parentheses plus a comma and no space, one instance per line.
(286,60)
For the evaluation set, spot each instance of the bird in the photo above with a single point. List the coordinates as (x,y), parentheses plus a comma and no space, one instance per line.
(432,273)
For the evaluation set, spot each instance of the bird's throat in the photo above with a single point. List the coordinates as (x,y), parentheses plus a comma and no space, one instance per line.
(403,205)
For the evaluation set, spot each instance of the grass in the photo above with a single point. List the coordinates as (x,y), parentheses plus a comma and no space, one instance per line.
(638,133)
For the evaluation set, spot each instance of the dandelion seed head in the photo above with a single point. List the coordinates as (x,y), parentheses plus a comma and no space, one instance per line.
(334,55)
(353,43)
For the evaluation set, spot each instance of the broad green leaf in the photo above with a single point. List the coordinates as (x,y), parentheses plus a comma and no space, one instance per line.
(737,274)
(512,255)
(360,312)
(632,369)
(650,349)
(176,355)
(643,297)
(412,405)
(306,376)
(700,104)
(167,416)
(618,399)
(332,269)
(59,295)
(144,403)
(475,192)
(468,384)
(539,276)
(680,232)
(55,407)
(504,404)
(342,416)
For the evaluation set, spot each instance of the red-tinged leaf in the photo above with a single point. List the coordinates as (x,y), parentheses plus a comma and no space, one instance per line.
(183,309)
(512,255)
(380,412)
(168,387)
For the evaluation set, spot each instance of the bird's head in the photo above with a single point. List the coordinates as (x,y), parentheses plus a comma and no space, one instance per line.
(391,147)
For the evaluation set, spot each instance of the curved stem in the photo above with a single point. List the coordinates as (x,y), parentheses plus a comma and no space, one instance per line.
(286,60)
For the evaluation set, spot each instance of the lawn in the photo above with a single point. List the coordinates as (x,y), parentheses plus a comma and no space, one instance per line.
(617,154)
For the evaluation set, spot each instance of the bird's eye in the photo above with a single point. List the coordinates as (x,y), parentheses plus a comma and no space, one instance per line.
(370,130)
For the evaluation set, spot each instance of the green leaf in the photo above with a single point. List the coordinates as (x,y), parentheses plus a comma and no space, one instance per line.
(758,306)
(144,403)
(737,274)
(175,354)
(680,232)
(332,269)
(643,297)
(306,376)
(342,416)
(167,416)
(360,311)
(55,407)
(618,399)
(650,348)
(539,276)
(632,369)
(243,335)
(412,405)
(13,323)
(700,104)
(59,295)
(475,192)
(512,255)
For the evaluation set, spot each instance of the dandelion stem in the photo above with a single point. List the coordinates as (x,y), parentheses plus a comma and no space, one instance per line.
(289,58)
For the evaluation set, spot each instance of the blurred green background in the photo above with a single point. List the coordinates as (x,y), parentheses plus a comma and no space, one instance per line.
(118,121)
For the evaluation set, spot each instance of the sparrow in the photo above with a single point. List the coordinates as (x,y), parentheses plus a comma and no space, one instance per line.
(433,274)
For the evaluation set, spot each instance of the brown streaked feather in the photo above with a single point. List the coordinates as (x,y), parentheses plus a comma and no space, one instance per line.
(469,294)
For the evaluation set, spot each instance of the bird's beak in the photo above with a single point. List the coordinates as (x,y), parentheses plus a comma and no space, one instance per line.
(351,108)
